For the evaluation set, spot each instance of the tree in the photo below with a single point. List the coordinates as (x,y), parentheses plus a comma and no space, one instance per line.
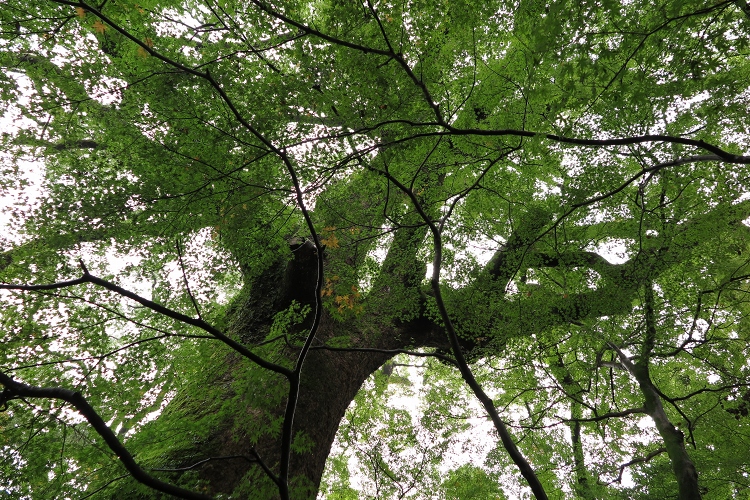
(230,214)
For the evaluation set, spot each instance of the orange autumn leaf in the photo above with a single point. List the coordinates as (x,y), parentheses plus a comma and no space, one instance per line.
(329,285)
(80,12)
(99,27)
(149,42)
(344,302)
(143,52)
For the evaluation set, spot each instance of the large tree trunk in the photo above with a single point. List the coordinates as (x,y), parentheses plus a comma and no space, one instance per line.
(330,380)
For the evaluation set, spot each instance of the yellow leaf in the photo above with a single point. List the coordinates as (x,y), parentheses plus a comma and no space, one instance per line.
(143,52)
(80,12)
(99,26)
(328,289)
(331,242)
(149,42)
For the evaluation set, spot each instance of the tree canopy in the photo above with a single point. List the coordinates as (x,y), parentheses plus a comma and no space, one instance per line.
(239,233)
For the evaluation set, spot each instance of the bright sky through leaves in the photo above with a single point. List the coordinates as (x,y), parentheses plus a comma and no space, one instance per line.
(228,222)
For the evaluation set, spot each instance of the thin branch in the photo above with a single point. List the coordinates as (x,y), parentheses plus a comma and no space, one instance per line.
(418,354)
(100,357)
(311,31)
(293,376)
(143,45)
(605,416)
(185,280)
(14,389)
(257,460)
(103,487)
(523,465)
(266,469)
(639,460)
(199,323)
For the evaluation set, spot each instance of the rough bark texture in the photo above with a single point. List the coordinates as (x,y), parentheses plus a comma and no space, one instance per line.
(329,382)
(674,441)
(682,465)
(331,378)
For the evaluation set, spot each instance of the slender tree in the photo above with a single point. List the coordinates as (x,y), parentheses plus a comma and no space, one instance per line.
(224,217)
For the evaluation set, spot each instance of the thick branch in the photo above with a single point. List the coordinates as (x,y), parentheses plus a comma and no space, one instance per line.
(568,260)
(575,393)
(510,446)
(721,155)
(682,465)
(507,260)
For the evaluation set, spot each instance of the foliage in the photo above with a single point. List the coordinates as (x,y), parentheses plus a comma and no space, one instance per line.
(222,218)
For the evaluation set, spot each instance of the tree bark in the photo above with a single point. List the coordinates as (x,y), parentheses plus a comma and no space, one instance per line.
(330,380)
(233,458)
(674,441)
